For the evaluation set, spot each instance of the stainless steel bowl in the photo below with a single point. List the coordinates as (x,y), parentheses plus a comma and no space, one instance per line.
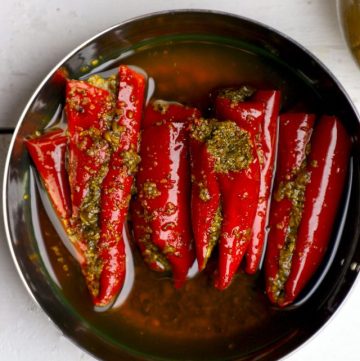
(338,272)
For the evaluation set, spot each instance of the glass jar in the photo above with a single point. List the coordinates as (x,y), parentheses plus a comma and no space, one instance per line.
(349,16)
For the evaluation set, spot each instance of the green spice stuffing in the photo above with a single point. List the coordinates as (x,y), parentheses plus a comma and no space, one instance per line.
(89,216)
(230,145)
(98,144)
(204,193)
(152,254)
(131,160)
(113,135)
(160,106)
(202,128)
(237,95)
(89,212)
(109,84)
(168,249)
(214,233)
(150,190)
(295,192)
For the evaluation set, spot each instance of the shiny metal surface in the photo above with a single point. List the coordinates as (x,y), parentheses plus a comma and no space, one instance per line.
(114,43)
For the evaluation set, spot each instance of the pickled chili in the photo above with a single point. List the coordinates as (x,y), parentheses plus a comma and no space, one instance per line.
(201,184)
(267,154)
(48,154)
(116,185)
(163,186)
(239,188)
(244,102)
(205,196)
(103,139)
(327,166)
(288,200)
(88,109)
(151,254)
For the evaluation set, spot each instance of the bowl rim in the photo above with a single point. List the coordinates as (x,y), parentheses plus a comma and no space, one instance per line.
(85,43)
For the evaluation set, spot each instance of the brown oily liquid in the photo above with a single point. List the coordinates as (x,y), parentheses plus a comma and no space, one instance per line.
(196,322)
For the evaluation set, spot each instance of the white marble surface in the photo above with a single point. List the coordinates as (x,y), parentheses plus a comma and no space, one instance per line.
(36,34)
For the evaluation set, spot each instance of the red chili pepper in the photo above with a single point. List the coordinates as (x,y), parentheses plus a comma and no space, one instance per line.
(48,154)
(327,167)
(286,208)
(86,110)
(239,190)
(163,184)
(101,161)
(205,200)
(116,186)
(233,104)
(267,160)
(160,111)
(151,254)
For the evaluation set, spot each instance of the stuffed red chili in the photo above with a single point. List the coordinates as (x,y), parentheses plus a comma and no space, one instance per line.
(151,254)
(239,187)
(245,103)
(288,200)
(103,140)
(205,196)
(163,184)
(116,185)
(327,166)
(89,109)
(268,137)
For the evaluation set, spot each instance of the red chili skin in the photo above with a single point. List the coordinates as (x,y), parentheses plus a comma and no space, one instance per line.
(140,229)
(248,115)
(294,135)
(203,211)
(239,190)
(85,107)
(327,165)
(240,193)
(160,111)
(48,155)
(295,131)
(116,186)
(269,127)
(163,184)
